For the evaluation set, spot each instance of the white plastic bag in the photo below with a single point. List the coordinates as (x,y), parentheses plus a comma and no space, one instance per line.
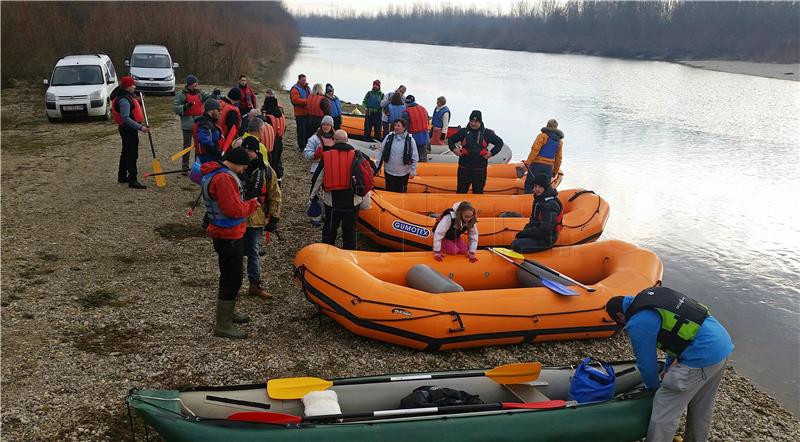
(318,403)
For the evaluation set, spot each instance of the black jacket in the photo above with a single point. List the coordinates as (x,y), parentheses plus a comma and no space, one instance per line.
(544,217)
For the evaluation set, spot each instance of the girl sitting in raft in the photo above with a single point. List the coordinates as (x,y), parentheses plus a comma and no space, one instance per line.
(450,226)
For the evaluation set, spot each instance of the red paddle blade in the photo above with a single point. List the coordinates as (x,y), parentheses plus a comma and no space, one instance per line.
(265,417)
(558,403)
(229,139)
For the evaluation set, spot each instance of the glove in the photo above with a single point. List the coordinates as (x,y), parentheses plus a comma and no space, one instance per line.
(272,225)
(318,153)
(442,136)
(471,257)
(438,256)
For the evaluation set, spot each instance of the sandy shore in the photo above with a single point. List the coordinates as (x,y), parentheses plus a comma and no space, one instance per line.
(769,70)
(105,288)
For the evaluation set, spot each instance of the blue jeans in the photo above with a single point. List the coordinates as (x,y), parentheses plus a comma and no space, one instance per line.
(252,244)
(533,170)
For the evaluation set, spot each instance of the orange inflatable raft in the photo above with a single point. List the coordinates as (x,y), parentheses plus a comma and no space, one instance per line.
(405,221)
(505,179)
(370,294)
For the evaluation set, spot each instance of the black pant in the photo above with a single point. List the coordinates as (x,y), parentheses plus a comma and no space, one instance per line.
(423,152)
(188,139)
(312,126)
(275,159)
(302,134)
(230,253)
(475,177)
(337,122)
(373,121)
(347,218)
(130,153)
(397,184)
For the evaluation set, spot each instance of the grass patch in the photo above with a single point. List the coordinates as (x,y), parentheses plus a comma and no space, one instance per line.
(176,231)
(98,298)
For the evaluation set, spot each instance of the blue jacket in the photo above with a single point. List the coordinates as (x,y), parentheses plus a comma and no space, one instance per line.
(336,106)
(395,111)
(710,346)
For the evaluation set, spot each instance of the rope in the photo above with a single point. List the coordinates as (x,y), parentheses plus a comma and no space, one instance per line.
(596,210)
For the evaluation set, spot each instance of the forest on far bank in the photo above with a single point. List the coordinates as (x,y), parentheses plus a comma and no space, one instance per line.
(213,40)
(663,30)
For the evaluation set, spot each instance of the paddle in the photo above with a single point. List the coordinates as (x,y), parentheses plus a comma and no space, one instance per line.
(161,181)
(295,388)
(552,285)
(281,418)
(181,153)
(514,254)
(147,174)
(229,139)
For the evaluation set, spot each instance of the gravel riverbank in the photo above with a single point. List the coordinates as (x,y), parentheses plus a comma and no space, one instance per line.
(105,288)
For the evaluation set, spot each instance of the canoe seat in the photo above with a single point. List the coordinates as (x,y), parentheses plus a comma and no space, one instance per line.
(423,277)
(526,393)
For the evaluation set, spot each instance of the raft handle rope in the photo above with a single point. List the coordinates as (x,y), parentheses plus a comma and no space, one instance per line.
(596,210)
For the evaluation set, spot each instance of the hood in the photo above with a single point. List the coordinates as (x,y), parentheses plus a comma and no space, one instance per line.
(209,167)
(85,89)
(148,73)
(553,133)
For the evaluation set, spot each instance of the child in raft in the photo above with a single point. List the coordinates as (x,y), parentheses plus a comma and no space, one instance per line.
(449,228)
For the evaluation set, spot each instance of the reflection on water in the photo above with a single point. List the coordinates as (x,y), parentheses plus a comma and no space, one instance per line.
(701,167)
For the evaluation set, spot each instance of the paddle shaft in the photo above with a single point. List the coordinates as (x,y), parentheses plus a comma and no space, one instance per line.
(415,377)
(561,275)
(552,285)
(166,173)
(147,123)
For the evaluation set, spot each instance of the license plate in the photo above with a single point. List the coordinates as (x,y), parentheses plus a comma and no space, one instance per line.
(151,84)
(72,108)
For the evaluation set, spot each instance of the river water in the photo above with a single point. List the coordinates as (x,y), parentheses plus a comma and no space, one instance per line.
(698,166)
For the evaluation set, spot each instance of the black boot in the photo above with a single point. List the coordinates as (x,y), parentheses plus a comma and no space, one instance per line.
(135,184)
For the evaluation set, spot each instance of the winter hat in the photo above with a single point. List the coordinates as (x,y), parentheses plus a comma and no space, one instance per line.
(614,306)
(191,79)
(250,143)
(238,156)
(476,115)
(376,83)
(541,180)
(340,136)
(210,105)
(127,82)
(270,102)
(328,88)
(234,94)
(327,119)
(552,124)
(410,98)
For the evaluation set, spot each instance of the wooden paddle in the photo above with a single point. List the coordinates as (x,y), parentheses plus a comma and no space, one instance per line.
(181,153)
(557,287)
(295,388)
(513,254)
(161,180)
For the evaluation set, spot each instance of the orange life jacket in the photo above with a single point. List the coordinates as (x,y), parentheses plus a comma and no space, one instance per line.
(418,119)
(267,136)
(279,124)
(195,108)
(314,106)
(338,165)
(225,108)
(136,114)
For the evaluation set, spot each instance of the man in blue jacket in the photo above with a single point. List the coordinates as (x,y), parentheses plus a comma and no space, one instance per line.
(697,348)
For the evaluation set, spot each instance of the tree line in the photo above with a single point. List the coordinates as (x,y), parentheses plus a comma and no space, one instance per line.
(213,40)
(667,30)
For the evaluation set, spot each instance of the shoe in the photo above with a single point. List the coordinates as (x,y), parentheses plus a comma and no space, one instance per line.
(240,318)
(135,184)
(122,180)
(256,290)
(224,327)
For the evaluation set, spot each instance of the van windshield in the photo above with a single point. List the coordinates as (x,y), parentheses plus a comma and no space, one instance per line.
(77,75)
(153,61)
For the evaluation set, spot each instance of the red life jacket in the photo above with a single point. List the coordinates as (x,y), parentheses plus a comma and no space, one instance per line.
(226,108)
(136,114)
(314,106)
(195,108)
(279,124)
(248,100)
(338,165)
(418,119)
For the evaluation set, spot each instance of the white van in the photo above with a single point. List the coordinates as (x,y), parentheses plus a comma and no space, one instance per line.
(152,69)
(80,86)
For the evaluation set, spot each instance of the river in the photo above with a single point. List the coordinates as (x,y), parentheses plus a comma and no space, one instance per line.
(698,166)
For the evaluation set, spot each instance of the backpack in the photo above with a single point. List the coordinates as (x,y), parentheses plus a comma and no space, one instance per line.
(435,396)
(363,174)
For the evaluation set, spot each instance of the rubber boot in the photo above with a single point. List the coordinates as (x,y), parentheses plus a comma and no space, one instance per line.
(224,327)
(240,318)
(256,290)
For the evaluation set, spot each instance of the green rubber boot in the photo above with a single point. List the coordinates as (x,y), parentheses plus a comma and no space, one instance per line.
(225,326)
(240,318)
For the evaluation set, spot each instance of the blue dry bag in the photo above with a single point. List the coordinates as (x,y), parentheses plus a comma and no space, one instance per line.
(591,384)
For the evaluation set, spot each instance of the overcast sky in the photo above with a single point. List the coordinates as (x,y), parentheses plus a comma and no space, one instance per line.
(330,7)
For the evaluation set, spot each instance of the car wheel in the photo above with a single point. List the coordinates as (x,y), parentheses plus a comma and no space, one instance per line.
(52,120)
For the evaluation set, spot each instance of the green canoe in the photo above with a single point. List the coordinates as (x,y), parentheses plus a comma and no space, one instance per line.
(202,413)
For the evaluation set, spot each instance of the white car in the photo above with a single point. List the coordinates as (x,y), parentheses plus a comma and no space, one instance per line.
(152,69)
(80,86)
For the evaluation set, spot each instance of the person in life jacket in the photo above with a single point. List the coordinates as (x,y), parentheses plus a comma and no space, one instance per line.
(299,94)
(263,133)
(226,218)
(317,144)
(451,225)
(697,347)
(229,116)
(417,118)
(207,135)
(318,106)
(332,184)
(545,223)
(274,115)
(388,117)
(545,155)
(399,156)
(374,112)
(259,182)
(188,104)
(127,112)
(248,100)
(336,106)
(440,122)
(473,153)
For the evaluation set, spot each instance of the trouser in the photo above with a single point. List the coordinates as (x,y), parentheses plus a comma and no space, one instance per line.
(312,125)
(302,126)
(337,122)
(397,184)
(423,152)
(275,157)
(230,253)
(467,177)
(436,136)
(252,245)
(187,141)
(386,128)
(454,247)
(529,244)
(130,153)
(373,121)
(535,169)
(344,217)
(685,386)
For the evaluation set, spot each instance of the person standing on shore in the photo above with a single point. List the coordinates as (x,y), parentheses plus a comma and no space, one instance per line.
(318,106)
(226,217)
(474,153)
(275,117)
(386,119)
(229,115)
(440,121)
(248,100)
(417,117)
(127,112)
(697,347)
(399,156)
(545,155)
(372,104)
(336,106)
(299,94)
(207,134)
(188,103)
(321,141)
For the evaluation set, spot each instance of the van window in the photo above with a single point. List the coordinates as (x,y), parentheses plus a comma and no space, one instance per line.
(155,61)
(111,71)
(77,75)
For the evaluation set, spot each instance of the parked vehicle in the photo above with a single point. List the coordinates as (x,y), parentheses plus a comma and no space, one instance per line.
(152,69)
(80,86)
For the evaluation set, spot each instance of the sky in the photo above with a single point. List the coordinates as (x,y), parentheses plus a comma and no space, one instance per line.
(331,7)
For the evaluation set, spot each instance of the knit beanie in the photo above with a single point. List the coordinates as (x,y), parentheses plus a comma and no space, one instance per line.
(410,98)
(376,83)
(238,156)
(552,124)
(191,79)
(234,94)
(476,115)
(328,88)
(541,180)
(210,105)
(270,102)
(327,119)
(251,143)
(126,82)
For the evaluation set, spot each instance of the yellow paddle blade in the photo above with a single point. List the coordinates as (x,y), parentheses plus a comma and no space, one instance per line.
(181,153)
(518,373)
(161,180)
(295,388)
(508,252)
